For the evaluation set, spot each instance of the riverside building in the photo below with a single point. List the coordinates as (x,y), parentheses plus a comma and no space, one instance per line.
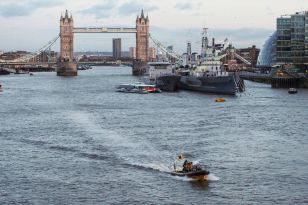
(292,39)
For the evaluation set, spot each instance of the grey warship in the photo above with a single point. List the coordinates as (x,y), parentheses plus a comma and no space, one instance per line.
(209,75)
(209,84)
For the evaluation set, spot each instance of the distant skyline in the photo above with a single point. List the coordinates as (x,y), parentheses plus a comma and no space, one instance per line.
(29,24)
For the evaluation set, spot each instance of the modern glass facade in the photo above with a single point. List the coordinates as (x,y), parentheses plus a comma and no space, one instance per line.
(292,39)
(306,37)
(267,56)
(298,38)
(283,44)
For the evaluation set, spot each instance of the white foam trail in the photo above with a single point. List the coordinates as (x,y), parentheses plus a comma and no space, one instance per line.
(113,139)
(212,177)
(196,162)
(158,167)
(97,132)
(185,179)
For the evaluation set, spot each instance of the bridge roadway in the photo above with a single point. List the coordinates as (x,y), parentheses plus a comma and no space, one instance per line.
(105,63)
(104,30)
(25,66)
(55,63)
(28,63)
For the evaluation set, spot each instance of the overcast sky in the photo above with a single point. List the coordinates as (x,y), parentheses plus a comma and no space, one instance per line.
(29,24)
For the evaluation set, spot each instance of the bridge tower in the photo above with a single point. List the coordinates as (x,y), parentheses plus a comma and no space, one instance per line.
(66,65)
(142,37)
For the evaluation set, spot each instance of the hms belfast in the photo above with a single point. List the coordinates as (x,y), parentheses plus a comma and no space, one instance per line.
(206,74)
(209,75)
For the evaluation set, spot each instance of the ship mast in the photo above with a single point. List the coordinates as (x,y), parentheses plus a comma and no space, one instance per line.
(205,42)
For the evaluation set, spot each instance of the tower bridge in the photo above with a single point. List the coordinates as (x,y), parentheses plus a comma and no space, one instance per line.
(67,65)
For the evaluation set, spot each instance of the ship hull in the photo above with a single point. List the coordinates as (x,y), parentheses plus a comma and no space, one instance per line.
(201,175)
(169,83)
(4,72)
(210,84)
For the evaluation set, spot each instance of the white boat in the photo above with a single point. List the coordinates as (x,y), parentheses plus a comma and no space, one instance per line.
(130,88)
(139,87)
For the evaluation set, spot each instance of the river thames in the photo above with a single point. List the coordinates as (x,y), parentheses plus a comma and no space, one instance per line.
(77,141)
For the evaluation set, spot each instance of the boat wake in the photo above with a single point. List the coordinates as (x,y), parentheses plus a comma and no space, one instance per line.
(212,178)
(116,142)
(154,167)
(136,153)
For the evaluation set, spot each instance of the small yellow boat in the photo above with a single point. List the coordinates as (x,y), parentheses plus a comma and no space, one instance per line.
(220,100)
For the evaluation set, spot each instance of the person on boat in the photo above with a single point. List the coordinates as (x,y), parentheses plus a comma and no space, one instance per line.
(187,166)
(190,166)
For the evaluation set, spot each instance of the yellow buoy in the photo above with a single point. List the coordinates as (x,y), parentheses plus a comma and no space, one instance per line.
(220,100)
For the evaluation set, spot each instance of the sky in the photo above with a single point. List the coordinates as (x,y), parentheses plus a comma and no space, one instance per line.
(30,24)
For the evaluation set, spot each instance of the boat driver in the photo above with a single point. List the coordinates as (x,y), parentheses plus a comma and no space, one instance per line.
(187,166)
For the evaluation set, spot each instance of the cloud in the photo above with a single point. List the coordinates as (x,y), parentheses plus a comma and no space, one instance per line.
(100,10)
(135,7)
(26,7)
(110,8)
(183,6)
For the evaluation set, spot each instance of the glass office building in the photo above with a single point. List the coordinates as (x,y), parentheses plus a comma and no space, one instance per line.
(289,44)
(283,43)
(292,39)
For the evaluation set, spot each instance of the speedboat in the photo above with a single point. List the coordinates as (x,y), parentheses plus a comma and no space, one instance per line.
(148,87)
(140,88)
(189,170)
(152,89)
(199,175)
(131,88)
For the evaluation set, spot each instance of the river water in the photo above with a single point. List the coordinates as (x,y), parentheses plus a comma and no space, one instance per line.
(77,141)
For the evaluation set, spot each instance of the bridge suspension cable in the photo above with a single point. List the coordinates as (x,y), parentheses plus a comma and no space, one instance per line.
(164,49)
(42,49)
(242,59)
